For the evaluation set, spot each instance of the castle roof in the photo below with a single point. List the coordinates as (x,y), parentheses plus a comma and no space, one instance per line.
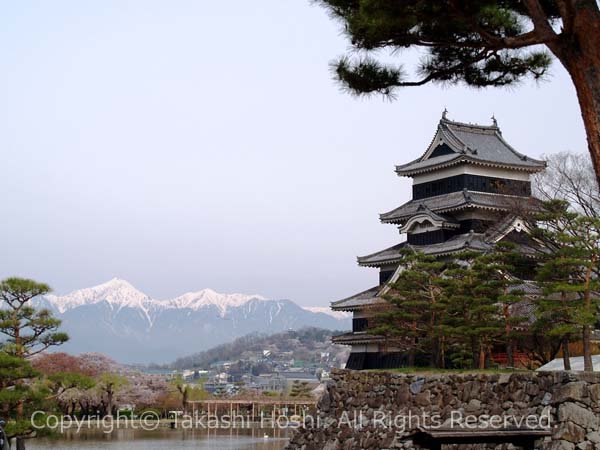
(387,256)
(510,228)
(452,202)
(462,143)
(424,214)
(356,338)
(359,301)
(458,243)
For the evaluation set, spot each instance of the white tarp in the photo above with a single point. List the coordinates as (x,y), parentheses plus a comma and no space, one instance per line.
(576,364)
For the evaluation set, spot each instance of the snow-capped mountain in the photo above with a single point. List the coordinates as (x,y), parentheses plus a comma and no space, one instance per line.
(117,319)
(117,293)
(206,297)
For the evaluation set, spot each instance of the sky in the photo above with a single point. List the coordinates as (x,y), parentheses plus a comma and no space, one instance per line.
(184,145)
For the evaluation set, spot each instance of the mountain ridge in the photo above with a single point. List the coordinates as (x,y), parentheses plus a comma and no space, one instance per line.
(118,319)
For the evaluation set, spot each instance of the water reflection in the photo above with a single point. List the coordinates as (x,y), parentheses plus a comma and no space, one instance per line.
(166,439)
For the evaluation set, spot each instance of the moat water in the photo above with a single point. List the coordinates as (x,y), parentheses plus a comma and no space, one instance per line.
(166,439)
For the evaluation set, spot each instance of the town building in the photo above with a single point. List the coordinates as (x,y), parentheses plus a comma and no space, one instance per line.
(470,190)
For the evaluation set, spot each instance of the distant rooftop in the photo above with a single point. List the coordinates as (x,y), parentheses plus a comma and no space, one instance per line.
(456,142)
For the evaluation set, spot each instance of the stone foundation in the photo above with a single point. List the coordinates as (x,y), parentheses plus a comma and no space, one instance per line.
(379,410)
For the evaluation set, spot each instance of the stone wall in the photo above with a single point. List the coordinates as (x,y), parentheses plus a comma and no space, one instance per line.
(380,410)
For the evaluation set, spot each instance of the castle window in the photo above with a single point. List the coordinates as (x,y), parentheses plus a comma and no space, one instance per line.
(359,325)
(473,183)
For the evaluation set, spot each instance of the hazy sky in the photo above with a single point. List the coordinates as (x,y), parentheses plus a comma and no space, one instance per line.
(190,144)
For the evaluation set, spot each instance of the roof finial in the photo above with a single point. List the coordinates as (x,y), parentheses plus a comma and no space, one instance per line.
(494,121)
(445,113)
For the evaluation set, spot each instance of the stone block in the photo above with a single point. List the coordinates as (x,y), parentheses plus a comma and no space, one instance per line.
(561,445)
(571,432)
(474,406)
(578,415)
(403,396)
(594,437)
(546,399)
(595,393)
(424,398)
(518,395)
(574,391)
(332,445)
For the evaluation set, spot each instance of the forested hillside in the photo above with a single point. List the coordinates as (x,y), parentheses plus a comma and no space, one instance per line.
(307,344)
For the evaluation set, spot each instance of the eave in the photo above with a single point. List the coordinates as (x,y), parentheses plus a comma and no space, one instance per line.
(356,338)
(453,201)
(363,300)
(468,160)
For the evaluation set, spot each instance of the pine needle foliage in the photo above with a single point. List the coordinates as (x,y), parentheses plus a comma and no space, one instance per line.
(417,311)
(480,43)
(29,330)
(454,311)
(569,276)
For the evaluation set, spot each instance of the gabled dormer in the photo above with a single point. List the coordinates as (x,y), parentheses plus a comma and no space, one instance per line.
(427,227)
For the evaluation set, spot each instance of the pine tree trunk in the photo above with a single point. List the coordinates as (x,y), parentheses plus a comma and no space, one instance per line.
(510,360)
(437,354)
(433,357)
(442,364)
(481,358)
(20,404)
(588,92)
(475,352)
(510,357)
(413,346)
(411,357)
(566,354)
(580,54)
(588,365)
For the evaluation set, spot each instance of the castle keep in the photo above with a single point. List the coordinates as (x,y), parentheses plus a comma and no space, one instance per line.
(468,188)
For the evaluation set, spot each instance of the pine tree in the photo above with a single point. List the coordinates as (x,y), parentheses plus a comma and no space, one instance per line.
(587,250)
(300,389)
(569,276)
(30,331)
(479,43)
(416,311)
(556,309)
(506,266)
(18,396)
(471,295)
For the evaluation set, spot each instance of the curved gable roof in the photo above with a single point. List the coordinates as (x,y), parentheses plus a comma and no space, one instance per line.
(423,213)
(469,143)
